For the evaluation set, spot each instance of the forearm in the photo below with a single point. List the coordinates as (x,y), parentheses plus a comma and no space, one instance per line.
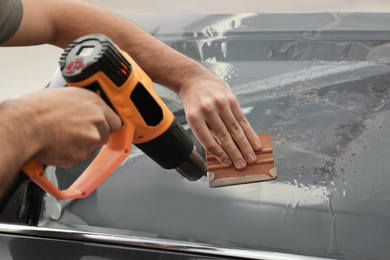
(16,141)
(65,20)
(163,64)
(211,108)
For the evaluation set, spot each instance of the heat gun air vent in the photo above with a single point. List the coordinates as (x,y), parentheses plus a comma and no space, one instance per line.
(91,54)
(116,67)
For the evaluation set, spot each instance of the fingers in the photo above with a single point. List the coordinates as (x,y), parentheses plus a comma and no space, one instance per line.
(75,121)
(247,129)
(110,124)
(113,120)
(67,163)
(227,140)
(208,142)
(236,136)
(235,141)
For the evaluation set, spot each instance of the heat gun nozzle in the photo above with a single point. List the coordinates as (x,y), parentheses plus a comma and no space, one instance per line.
(194,167)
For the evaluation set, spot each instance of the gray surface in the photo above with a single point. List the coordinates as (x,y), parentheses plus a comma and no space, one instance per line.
(319,84)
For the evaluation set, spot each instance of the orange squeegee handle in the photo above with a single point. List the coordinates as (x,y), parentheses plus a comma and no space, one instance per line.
(95,63)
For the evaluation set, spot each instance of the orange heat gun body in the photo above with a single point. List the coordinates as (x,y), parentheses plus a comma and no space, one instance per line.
(95,63)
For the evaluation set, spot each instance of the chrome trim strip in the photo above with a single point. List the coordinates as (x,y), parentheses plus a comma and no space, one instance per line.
(154,243)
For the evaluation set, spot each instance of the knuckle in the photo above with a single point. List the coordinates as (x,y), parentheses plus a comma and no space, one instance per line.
(192,116)
(241,119)
(102,140)
(224,137)
(82,154)
(207,109)
(211,147)
(101,132)
(232,100)
(235,129)
(245,126)
(99,120)
(96,139)
(90,139)
(73,158)
(221,101)
(215,150)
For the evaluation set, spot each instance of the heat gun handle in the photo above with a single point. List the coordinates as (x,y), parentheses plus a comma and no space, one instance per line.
(108,159)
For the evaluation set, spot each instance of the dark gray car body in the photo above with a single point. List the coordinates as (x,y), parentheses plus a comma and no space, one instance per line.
(319,84)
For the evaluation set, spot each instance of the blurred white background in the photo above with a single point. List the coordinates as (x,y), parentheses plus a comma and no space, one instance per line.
(24,69)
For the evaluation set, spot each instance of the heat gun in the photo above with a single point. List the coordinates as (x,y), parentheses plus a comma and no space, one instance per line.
(94,62)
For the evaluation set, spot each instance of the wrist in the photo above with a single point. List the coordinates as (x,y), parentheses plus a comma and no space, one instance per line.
(194,75)
(202,82)
(16,141)
(18,130)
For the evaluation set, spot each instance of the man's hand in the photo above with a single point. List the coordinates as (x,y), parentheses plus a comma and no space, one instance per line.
(55,126)
(69,124)
(215,116)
